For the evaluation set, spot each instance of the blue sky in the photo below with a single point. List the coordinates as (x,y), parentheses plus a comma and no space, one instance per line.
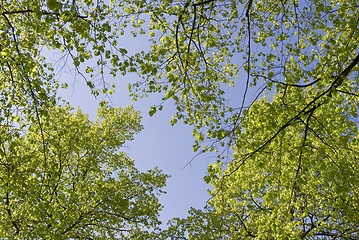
(161,145)
(158,145)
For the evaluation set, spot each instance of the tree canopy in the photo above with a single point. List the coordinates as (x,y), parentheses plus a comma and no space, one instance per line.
(294,169)
(62,175)
(293,173)
(301,184)
(73,182)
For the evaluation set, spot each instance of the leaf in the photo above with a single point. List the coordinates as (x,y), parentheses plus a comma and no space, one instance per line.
(54,5)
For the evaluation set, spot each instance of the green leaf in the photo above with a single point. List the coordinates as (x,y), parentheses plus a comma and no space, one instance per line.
(54,5)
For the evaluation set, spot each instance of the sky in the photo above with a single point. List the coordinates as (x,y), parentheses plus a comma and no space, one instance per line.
(159,144)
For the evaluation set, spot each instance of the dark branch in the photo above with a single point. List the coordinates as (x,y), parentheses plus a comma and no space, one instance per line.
(32,11)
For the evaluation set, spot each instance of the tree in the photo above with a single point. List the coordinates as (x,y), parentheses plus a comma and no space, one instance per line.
(76,31)
(293,174)
(294,169)
(302,184)
(63,176)
(201,47)
(73,182)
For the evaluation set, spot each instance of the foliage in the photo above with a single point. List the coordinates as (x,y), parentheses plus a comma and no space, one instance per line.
(63,176)
(200,47)
(294,172)
(76,31)
(303,184)
(190,61)
(73,182)
(294,169)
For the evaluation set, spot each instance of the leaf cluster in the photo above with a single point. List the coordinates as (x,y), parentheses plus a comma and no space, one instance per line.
(72,181)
